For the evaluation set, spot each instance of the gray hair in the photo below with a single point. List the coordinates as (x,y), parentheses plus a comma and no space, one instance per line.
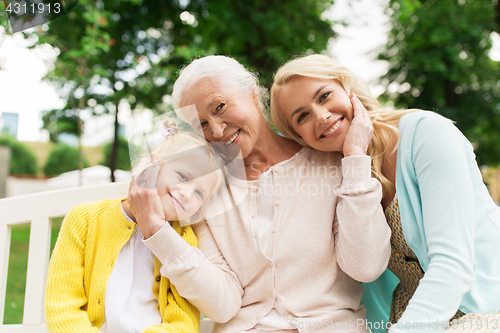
(225,69)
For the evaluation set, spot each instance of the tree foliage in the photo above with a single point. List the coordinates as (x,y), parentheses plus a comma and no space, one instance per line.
(4,23)
(59,121)
(122,157)
(139,45)
(438,55)
(22,159)
(62,158)
(131,50)
(103,49)
(260,34)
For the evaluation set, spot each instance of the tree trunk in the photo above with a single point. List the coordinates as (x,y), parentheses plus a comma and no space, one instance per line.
(114,147)
(81,104)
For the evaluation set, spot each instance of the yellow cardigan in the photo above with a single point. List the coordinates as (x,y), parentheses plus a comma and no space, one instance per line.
(91,237)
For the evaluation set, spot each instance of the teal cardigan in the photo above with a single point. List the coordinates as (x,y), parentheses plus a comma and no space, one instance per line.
(450,222)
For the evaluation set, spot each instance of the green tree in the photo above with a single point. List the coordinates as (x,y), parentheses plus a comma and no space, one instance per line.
(438,55)
(83,37)
(108,54)
(115,51)
(59,121)
(22,159)
(4,23)
(122,156)
(62,158)
(261,34)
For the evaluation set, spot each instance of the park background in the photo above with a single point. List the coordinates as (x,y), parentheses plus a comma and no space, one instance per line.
(71,89)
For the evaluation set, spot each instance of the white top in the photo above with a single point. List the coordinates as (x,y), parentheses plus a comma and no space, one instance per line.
(264,208)
(265,211)
(130,305)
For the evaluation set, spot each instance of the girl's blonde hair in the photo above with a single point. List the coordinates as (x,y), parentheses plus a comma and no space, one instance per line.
(323,67)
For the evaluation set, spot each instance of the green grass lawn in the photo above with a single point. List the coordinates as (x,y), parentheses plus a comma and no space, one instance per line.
(16,280)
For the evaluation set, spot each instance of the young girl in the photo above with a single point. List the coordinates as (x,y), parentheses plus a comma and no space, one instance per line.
(102,278)
(445,226)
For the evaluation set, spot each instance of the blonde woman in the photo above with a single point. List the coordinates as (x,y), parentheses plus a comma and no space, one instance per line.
(445,226)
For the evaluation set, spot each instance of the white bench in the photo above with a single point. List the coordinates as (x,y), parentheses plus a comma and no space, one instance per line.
(39,209)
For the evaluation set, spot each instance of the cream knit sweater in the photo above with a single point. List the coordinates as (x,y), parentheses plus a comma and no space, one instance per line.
(328,233)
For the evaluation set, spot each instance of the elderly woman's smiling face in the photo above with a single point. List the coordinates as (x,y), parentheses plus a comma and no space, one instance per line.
(226,114)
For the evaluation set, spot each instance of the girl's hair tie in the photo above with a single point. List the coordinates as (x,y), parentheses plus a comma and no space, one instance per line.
(168,132)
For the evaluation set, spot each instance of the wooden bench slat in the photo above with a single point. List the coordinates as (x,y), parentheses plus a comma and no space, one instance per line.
(23,329)
(36,277)
(5,233)
(206,325)
(55,203)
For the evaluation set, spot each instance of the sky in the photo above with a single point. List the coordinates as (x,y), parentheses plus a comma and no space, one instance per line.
(357,44)
(22,90)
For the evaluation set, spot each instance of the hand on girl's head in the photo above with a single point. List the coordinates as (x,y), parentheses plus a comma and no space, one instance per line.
(148,177)
(145,162)
(145,203)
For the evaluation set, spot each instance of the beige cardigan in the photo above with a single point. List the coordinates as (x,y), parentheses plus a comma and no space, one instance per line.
(329,234)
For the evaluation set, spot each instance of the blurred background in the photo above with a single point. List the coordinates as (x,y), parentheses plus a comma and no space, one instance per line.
(71,88)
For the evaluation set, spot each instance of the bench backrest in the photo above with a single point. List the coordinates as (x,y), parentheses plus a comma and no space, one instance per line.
(39,209)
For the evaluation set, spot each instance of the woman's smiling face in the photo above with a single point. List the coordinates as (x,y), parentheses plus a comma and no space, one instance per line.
(224,114)
(320,111)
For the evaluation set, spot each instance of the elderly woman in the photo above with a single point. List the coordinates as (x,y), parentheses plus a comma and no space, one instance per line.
(291,256)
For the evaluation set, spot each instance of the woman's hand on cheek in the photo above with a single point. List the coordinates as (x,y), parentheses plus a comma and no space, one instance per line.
(145,202)
(360,132)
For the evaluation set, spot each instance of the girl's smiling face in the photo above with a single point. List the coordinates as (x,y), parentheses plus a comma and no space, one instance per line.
(183,186)
(318,110)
